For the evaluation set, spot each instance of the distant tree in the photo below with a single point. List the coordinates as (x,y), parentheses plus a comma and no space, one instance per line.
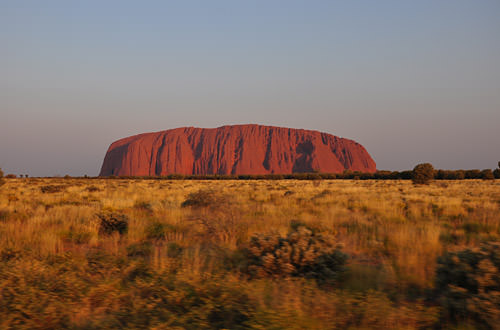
(2,181)
(473,174)
(460,174)
(423,173)
(496,172)
(487,174)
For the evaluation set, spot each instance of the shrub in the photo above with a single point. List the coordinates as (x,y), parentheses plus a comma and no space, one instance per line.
(302,253)
(52,189)
(112,222)
(142,250)
(156,231)
(76,236)
(4,215)
(2,181)
(423,173)
(174,250)
(218,215)
(468,285)
(92,189)
(204,198)
(8,254)
(143,205)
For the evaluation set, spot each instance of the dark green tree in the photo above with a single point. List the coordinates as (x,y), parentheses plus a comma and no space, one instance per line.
(487,174)
(496,172)
(423,173)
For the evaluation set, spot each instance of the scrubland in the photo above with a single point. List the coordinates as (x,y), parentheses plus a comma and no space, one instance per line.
(259,254)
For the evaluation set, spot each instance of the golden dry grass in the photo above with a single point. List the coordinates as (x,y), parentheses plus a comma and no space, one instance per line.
(393,232)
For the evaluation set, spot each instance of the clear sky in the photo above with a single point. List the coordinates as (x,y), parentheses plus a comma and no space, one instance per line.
(413,81)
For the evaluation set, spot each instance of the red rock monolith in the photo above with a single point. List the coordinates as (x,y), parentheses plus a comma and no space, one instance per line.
(236,149)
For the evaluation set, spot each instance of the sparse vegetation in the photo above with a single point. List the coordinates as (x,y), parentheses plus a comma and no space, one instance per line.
(259,254)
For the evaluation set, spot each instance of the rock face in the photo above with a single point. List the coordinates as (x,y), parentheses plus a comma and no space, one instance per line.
(238,149)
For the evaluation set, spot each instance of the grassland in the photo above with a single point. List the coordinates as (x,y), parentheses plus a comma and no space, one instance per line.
(179,264)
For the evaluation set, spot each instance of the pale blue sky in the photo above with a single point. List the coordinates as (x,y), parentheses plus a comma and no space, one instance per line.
(413,81)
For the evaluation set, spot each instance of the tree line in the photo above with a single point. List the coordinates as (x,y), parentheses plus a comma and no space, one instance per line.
(422,173)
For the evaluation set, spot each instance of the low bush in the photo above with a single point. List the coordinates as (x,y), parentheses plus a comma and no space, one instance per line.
(468,286)
(4,215)
(144,206)
(302,253)
(76,236)
(204,198)
(156,231)
(174,250)
(112,222)
(218,214)
(141,249)
(92,189)
(52,189)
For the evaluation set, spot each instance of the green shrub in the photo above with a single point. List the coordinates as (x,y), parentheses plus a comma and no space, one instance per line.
(423,173)
(112,222)
(156,231)
(468,285)
(302,253)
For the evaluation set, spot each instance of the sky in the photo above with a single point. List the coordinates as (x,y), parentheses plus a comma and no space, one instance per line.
(412,81)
